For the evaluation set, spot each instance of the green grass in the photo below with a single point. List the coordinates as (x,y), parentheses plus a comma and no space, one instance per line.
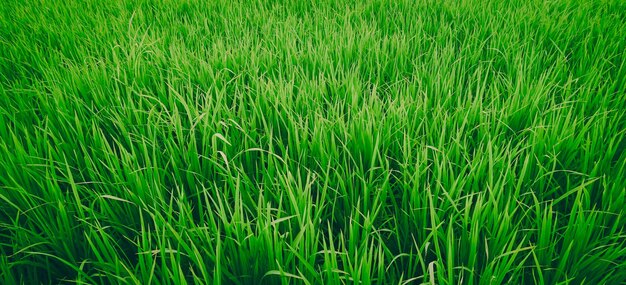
(334,142)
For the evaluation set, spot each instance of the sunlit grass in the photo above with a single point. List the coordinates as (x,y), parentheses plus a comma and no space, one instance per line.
(356,142)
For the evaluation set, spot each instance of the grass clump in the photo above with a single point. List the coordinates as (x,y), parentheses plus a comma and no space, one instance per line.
(319,142)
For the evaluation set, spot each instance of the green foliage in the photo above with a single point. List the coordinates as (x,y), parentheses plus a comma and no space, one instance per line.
(312,142)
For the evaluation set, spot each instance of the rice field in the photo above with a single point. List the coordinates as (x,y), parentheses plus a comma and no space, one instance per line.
(313,142)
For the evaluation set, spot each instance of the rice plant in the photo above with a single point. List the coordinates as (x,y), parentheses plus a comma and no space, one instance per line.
(313,142)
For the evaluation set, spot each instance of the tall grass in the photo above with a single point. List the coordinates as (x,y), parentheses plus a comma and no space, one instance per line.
(312,142)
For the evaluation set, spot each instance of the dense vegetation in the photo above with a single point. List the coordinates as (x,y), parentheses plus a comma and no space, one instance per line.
(313,142)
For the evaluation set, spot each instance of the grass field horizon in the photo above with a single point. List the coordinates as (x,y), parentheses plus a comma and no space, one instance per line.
(312,142)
